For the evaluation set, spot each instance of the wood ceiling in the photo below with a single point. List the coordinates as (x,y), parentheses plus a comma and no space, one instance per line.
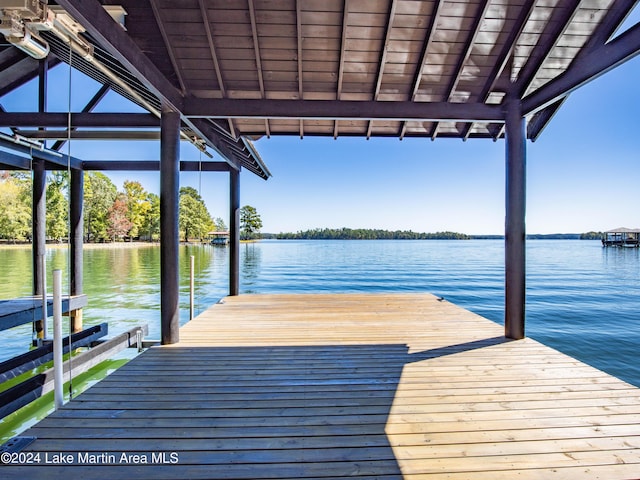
(399,68)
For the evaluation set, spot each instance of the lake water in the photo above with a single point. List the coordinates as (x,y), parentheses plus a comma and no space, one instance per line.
(581,298)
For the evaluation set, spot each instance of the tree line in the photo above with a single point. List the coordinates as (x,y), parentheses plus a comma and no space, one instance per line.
(377,234)
(368,234)
(109,215)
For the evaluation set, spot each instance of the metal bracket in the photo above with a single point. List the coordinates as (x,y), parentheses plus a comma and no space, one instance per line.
(17,444)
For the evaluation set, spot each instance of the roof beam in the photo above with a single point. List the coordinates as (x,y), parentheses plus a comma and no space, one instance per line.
(602,34)
(553,31)
(52,158)
(343,41)
(117,42)
(503,57)
(91,134)
(417,76)
(152,166)
(453,83)
(299,43)
(256,48)
(609,25)
(383,59)
(208,131)
(584,69)
(341,110)
(83,119)
(17,68)
(11,161)
(214,58)
(541,119)
(167,45)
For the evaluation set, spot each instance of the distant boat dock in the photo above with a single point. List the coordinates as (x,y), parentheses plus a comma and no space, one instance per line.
(219,238)
(622,237)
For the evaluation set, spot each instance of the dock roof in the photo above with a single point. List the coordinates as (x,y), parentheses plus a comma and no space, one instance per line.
(624,230)
(238,70)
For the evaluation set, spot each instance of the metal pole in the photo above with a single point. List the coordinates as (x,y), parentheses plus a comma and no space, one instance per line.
(57,339)
(515,233)
(169,240)
(191,286)
(77,239)
(234,232)
(42,267)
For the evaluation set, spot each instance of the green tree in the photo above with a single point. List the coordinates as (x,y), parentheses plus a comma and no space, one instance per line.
(99,195)
(219,225)
(138,205)
(57,206)
(15,207)
(151,220)
(194,218)
(250,223)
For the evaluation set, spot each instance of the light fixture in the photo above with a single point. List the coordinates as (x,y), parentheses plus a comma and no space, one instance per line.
(31,44)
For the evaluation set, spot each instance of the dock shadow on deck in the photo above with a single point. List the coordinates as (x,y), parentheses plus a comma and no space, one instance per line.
(280,387)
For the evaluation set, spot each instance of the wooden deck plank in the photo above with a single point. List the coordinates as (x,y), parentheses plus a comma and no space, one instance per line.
(334,386)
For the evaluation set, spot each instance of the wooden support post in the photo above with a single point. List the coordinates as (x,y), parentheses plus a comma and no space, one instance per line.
(169,233)
(515,234)
(76,213)
(39,225)
(39,213)
(234,232)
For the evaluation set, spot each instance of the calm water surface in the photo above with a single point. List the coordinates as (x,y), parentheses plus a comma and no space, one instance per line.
(581,299)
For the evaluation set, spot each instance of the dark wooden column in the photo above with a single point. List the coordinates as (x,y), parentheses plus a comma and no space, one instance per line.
(516,154)
(234,231)
(76,214)
(169,233)
(39,223)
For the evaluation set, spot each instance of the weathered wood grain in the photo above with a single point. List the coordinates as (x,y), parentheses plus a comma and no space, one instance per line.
(335,386)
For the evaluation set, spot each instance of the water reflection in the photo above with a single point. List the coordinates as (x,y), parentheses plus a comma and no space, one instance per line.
(122,284)
(251,261)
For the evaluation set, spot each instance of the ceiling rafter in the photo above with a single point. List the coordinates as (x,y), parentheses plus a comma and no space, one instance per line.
(256,48)
(462,60)
(586,68)
(167,44)
(383,58)
(608,27)
(503,58)
(122,47)
(601,35)
(343,41)
(299,44)
(553,31)
(118,43)
(417,76)
(214,58)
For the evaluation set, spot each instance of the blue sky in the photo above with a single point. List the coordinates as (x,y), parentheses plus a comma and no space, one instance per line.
(582,175)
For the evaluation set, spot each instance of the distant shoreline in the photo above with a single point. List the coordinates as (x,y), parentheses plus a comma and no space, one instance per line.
(378,234)
(280,236)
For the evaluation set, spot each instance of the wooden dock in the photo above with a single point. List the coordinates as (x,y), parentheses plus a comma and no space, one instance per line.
(335,386)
